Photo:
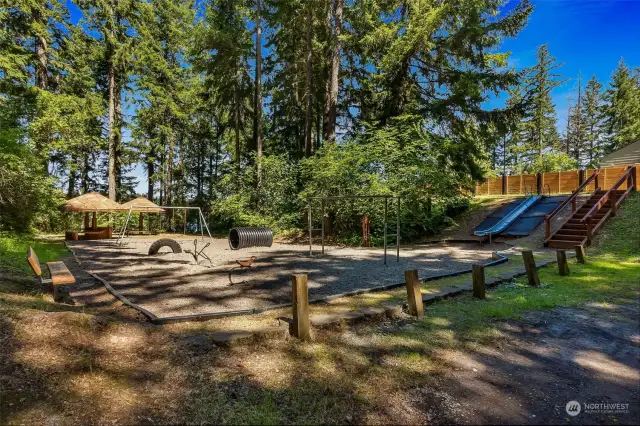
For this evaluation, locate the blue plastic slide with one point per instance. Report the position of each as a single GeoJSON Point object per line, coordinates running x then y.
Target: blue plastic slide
{"type": "Point", "coordinates": [509, 218]}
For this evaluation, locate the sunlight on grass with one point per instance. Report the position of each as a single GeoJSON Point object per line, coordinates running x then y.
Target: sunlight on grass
{"type": "Point", "coordinates": [13, 252]}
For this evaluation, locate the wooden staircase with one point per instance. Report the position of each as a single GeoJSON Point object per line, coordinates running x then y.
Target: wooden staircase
{"type": "Point", "coordinates": [574, 231]}
{"type": "Point", "coordinates": [585, 222]}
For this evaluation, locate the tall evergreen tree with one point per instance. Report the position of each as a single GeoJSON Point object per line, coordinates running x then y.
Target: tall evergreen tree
{"type": "Point", "coordinates": [592, 104]}
{"type": "Point", "coordinates": [222, 52]}
{"type": "Point", "coordinates": [538, 131]}
{"type": "Point", "coordinates": [622, 112]}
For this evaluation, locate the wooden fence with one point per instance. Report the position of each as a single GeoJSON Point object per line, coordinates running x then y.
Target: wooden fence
{"type": "Point", "coordinates": [552, 182]}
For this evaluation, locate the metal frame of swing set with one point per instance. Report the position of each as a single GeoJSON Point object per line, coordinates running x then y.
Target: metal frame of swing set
{"type": "Point", "coordinates": [201, 219]}
{"type": "Point", "coordinates": [355, 197]}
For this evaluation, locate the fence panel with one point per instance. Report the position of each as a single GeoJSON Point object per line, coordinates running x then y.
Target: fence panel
{"type": "Point", "coordinates": [569, 181]}
{"type": "Point", "coordinates": [529, 182]}
{"type": "Point", "coordinates": [514, 184]}
{"type": "Point", "coordinates": [611, 176]}
{"type": "Point", "coordinates": [551, 182]}
{"type": "Point", "coordinates": [557, 182]}
{"type": "Point", "coordinates": [592, 185]}
{"type": "Point", "coordinates": [495, 186]}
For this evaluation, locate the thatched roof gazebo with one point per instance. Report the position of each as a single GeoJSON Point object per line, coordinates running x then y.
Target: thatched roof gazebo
{"type": "Point", "coordinates": [92, 202]}
{"type": "Point", "coordinates": [142, 205]}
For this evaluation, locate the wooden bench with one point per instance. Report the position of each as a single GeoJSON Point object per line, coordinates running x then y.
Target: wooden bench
{"type": "Point", "coordinates": [59, 273]}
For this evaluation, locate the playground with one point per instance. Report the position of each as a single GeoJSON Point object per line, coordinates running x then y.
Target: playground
{"type": "Point", "coordinates": [172, 284]}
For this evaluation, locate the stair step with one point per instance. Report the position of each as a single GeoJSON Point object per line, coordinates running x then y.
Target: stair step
{"type": "Point", "coordinates": [574, 226]}
{"type": "Point", "coordinates": [564, 243]}
{"type": "Point", "coordinates": [568, 231]}
{"type": "Point", "coordinates": [568, 237]}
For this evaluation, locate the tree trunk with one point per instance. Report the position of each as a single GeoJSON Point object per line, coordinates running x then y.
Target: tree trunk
{"type": "Point", "coordinates": [150, 172]}
{"type": "Point", "coordinates": [309, 90]}
{"type": "Point", "coordinates": [236, 124]}
{"type": "Point", "coordinates": [72, 177]}
{"type": "Point", "coordinates": [257, 126]}
{"type": "Point", "coordinates": [169, 181]}
{"type": "Point", "coordinates": [333, 83]}
{"type": "Point", "coordinates": [42, 82]}
{"type": "Point", "coordinates": [85, 174]}
{"type": "Point", "coordinates": [42, 61]}
{"type": "Point", "coordinates": [118, 140]}
{"type": "Point", "coordinates": [111, 95]}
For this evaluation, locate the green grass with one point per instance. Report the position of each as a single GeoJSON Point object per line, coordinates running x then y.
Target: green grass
{"type": "Point", "coordinates": [13, 252]}
{"type": "Point", "coordinates": [611, 275]}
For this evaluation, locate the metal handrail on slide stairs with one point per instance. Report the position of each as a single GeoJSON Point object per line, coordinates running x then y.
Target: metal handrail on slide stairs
{"type": "Point", "coordinates": [509, 218]}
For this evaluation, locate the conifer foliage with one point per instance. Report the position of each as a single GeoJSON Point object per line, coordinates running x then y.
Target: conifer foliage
{"type": "Point", "coordinates": [247, 107]}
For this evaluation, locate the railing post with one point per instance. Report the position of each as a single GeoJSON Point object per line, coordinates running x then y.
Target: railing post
{"type": "Point", "coordinates": [614, 197]}
{"type": "Point", "coordinates": [547, 228]}
{"type": "Point", "coordinates": [574, 205]}
{"type": "Point", "coordinates": [589, 230]}
{"type": "Point", "coordinates": [597, 180]}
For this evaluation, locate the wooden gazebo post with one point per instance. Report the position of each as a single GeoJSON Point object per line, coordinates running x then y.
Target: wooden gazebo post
{"type": "Point", "coordinates": [94, 222]}
{"type": "Point", "coordinates": [86, 221]}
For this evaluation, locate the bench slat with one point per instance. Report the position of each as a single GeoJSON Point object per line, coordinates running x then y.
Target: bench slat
{"type": "Point", "coordinates": [60, 274]}
{"type": "Point", "coordinates": [33, 261]}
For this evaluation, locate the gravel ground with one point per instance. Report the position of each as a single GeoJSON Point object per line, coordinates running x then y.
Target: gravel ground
{"type": "Point", "coordinates": [171, 284]}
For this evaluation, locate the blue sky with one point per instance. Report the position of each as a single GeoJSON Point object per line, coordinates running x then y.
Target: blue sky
{"type": "Point", "coordinates": [588, 36]}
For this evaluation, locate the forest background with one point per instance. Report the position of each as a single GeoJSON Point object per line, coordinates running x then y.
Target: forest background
{"type": "Point", "coordinates": [246, 108]}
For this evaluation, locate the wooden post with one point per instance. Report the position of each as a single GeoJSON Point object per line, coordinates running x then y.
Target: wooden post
{"type": "Point", "coordinates": [589, 231]}
{"type": "Point", "coordinates": [574, 205]}
{"type": "Point", "coordinates": [614, 198]}
{"type": "Point", "coordinates": [530, 267]}
{"type": "Point", "coordinates": [94, 222]}
{"type": "Point", "coordinates": [300, 297]}
{"type": "Point", "coordinates": [539, 183]}
{"type": "Point", "coordinates": [563, 266]}
{"type": "Point", "coordinates": [414, 295]}
{"type": "Point", "coordinates": [86, 221]}
{"type": "Point", "coordinates": [140, 222]}
{"type": "Point", "coordinates": [477, 272]}
{"type": "Point", "coordinates": [505, 182]}
{"type": "Point", "coordinates": [559, 183]}
{"type": "Point", "coordinates": [581, 176]}
{"type": "Point", "coordinates": [580, 254]}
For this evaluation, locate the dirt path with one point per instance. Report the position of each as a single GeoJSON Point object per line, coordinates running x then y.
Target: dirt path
{"type": "Point", "coordinates": [590, 355]}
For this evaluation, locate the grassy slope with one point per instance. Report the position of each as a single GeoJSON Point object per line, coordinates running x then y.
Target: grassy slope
{"type": "Point", "coordinates": [82, 368]}
{"type": "Point", "coordinates": [13, 252]}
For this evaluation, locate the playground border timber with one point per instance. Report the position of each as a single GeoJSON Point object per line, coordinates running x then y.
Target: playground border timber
{"type": "Point", "coordinates": [154, 319]}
